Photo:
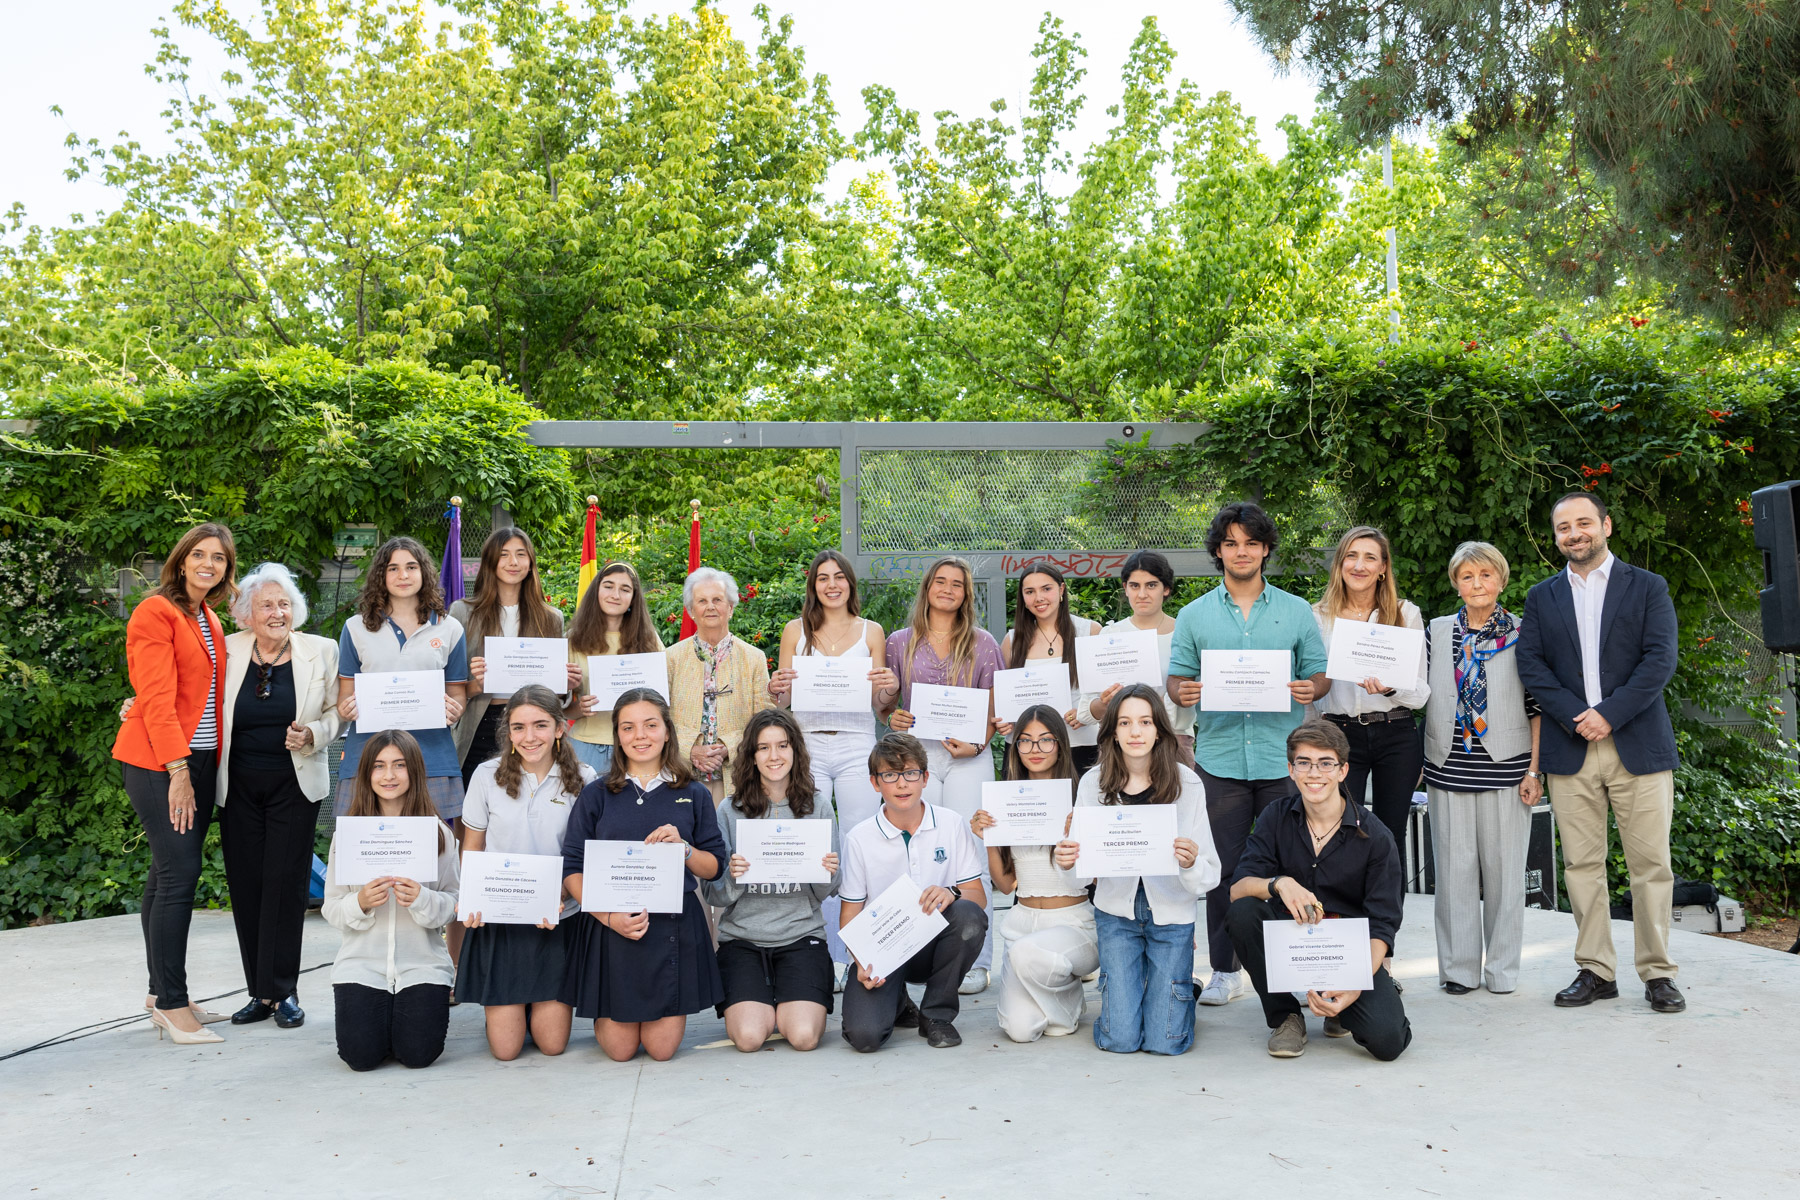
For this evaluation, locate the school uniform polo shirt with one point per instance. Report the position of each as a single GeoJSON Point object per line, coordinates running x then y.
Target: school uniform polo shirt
{"type": "Point", "coordinates": [437, 645]}
{"type": "Point", "coordinates": [1235, 745]}
{"type": "Point", "coordinates": [940, 853]}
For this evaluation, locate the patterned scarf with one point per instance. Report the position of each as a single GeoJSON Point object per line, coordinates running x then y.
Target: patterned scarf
{"type": "Point", "coordinates": [1501, 631]}
{"type": "Point", "coordinates": [713, 665]}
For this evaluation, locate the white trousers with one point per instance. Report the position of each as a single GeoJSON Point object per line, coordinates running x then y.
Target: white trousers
{"type": "Point", "coordinates": [840, 774]}
{"type": "Point", "coordinates": [956, 785]}
{"type": "Point", "coordinates": [1048, 951]}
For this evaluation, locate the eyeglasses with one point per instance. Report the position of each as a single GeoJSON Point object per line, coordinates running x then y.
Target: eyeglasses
{"type": "Point", "coordinates": [1306, 766]}
{"type": "Point", "coordinates": [1044, 744]}
{"type": "Point", "coordinates": [911, 776]}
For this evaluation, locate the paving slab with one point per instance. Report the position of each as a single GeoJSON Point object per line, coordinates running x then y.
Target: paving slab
{"type": "Point", "coordinates": [1499, 1096]}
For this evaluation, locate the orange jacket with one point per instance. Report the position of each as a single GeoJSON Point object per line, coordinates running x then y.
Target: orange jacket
{"type": "Point", "coordinates": [168, 666]}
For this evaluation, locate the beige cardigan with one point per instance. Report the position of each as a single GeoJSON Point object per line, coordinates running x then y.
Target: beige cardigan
{"type": "Point", "coordinates": [477, 706]}
{"type": "Point", "coordinates": [315, 662]}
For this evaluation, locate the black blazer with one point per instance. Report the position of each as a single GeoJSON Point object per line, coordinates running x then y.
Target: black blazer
{"type": "Point", "coordinates": [1638, 635]}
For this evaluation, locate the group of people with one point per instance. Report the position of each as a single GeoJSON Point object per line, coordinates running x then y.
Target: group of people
{"type": "Point", "coordinates": [1269, 807]}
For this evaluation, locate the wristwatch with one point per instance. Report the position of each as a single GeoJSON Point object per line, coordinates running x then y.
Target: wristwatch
{"type": "Point", "coordinates": [1272, 882]}
{"type": "Point", "coordinates": [1537, 775]}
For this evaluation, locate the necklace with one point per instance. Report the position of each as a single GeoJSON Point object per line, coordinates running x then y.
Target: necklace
{"type": "Point", "coordinates": [265, 683]}
{"type": "Point", "coordinates": [1319, 839]}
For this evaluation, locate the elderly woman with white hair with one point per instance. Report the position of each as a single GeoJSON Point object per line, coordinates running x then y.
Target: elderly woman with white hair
{"type": "Point", "coordinates": [280, 713]}
{"type": "Point", "coordinates": [715, 681]}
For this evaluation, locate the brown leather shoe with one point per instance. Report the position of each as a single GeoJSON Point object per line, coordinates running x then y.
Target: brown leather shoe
{"type": "Point", "coordinates": [1664, 996]}
{"type": "Point", "coordinates": [1587, 988]}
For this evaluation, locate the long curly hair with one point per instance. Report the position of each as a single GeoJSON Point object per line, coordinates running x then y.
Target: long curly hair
{"type": "Point", "coordinates": [511, 771]}
{"type": "Point", "coordinates": [374, 603]}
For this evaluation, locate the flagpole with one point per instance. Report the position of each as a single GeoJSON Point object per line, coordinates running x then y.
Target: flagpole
{"type": "Point", "coordinates": [688, 628]}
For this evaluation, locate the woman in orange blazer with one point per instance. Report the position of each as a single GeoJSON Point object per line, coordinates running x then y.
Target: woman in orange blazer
{"type": "Point", "coordinates": [168, 750]}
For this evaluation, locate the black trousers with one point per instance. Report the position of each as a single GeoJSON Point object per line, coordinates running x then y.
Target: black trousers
{"type": "Point", "coordinates": [374, 1024]}
{"type": "Point", "coordinates": [266, 831]}
{"type": "Point", "coordinates": [485, 743]}
{"type": "Point", "coordinates": [1394, 753]}
{"type": "Point", "coordinates": [1232, 806]}
{"type": "Point", "coordinates": [1377, 1020]}
{"type": "Point", "coordinates": [869, 1014]}
{"type": "Point", "coordinates": [174, 875]}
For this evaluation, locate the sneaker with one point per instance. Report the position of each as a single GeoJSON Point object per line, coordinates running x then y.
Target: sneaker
{"type": "Point", "coordinates": [1289, 1038]}
{"type": "Point", "coordinates": [939, 1034]}
{"type": "Point", "coordinates": [908, 1016]}
{"type": "Point", "coordinates": [1222, 988]}
{"type": "Point", "coordinates": [840, 975]}
{"type": "Point", "coordinates": [1334, 1028]}
{"type": "Point", "coordinates": [975, 981]}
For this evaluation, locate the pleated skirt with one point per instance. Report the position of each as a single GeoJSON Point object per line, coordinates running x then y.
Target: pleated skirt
{"type": "Point", "coordinates": [670, 972]}
{"type": "Point", "coordinates": [514, 964]}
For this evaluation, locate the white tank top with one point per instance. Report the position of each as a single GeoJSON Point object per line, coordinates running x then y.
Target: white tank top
{"type": "Point", "coordinates": [830, 722]}
{"type": "Point", "coordinates": [1035, 875]}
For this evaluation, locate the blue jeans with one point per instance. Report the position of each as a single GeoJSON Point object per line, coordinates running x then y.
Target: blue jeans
{"type": "Point", "coordinates": [593, 754]}
{"type": "Point", "coordinates": [1146, 983]}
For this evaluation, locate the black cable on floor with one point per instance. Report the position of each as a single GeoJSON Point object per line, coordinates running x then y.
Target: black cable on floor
{"type": "Point", "coordinates": [88, 1031]}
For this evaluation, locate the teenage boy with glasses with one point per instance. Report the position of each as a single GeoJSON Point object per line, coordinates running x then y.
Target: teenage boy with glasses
{"type": "Point", "coordinates": [1312, 855]}
{"type": "Point", "coordinates": [934, 847]}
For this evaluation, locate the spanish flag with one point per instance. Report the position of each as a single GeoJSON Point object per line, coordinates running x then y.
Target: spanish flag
{"type": "Point", "coordinates": [590, 550]}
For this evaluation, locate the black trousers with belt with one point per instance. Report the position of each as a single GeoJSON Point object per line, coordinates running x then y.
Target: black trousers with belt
{"type": "Point", "coordinates": [266, 831]}
{"type": "Point", "coordinates": [1394, 754]}
{"type": "Point", "coordinates": [174, 875]}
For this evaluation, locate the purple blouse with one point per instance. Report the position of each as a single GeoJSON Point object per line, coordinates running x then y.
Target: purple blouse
{"type": "Point", "coordinates": [927, 667]}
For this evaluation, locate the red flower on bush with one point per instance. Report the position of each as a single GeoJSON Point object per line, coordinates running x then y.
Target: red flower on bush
{"type": "Point", "coordinates": [1639, 322]}
{"type": "Point", "coordinates": [672, 618]}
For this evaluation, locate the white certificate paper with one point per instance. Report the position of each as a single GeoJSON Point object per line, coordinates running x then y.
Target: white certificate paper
{"type": "Point", "coordinates": [1389, 653]}
{"type": "Point", "coordinates": [1017, 690]}
{"type": "Point", "coordinates": [1121, 656]}
{"type": "Point", "coordinates": [949, 712]}
{"type": "Point", "coordinates": [1027, 812]}
{"type": "Point", "coordinates": [1246, 681]}
{"type": "Point", "coordinates": [832, 685]}
{"type": "Point", "coordinates": [785, 851]}
{"type": "Point", "coordinates": [399, 700]}
{"type": "Point", "coordinates": [510, 889]}
{"type": "Point", "coordinates": [890, 929]}
{"type": "Point", "coordinates": [375, 847]}
{"type": "Point", "coordinates": [514, 662]}
{"type": "Point", "coordinates": [612, 675]}
{"type": "Point", "coordinates": [631, 877]}
{"type": "Point", "coordinates": [1332, 956]}
{"type": "Point", "coordinates": [1125, 839]}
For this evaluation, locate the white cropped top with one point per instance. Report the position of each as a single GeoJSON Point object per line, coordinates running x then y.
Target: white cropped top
{"type": "Point", "coordinates": [1036, 875]}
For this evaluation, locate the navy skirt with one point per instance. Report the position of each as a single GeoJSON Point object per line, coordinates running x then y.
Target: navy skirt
{"type": "Point", "coordinates": [669, 972]}
{"type": "Point", "coordinates": [514, 964]}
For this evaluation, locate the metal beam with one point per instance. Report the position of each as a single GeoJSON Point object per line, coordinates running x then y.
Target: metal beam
{"type": "Point", "coordinates": [873, 435]}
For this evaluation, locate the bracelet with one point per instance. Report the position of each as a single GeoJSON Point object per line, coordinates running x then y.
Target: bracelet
{"type": "Point", "coordinates": [177, 766]}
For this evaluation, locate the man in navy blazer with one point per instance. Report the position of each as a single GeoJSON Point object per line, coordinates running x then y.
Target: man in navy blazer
{"type": "Point", "coordinates": [1597, 649]}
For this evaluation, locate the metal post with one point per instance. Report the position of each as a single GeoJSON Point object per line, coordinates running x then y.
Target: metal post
{"type": "Point", "coordinates": [996, 606]}
{"type": "Point", "coordinates": [1393, 245]}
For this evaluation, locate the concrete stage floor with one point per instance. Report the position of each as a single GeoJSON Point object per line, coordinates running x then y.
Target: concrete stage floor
{"type": "Point", "coordinates": [1499, 1096]}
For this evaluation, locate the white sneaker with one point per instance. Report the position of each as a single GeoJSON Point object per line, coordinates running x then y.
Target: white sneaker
{"type": "Point", "coordinates": [975, 981]}
{"type": "Point", "coordinates": [1222, 988]}
{"type": "Point", "coordinates": [840, 974]}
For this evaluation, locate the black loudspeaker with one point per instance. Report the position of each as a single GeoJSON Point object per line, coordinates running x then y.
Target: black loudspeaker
{"type": "Point", "coordinates": [1773, 511]}
{"type": "Point", "coordinates": [1540, 860]}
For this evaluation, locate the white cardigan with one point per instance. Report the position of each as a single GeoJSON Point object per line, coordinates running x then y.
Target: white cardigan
{"type": "Point", "coordinates": [1171, 897]}
{"type": "Point", "coordinates": [393, 947]}
{"type": "Point", "coordinates": [315, 662]}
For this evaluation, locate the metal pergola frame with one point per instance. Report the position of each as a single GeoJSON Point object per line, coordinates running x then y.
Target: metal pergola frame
{"type": "Point", "coordinates": [851, 438]}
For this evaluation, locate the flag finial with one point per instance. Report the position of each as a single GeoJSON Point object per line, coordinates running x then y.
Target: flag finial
{"type": "Point", "coordinates": [593, 499]}
{"type": "Point", "coordinates": [456, 500]}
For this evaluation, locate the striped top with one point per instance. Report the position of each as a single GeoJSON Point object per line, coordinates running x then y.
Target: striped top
{"type": "Point", "coordinates": [206, 735]}
{"type": "Point", "coordinates": [1474, 770]}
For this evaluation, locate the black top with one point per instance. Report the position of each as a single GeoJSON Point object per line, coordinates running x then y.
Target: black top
{"type": "Point", "coordinates": [1357, 874]}
{"type": "Point", "coordinates": [259, 726]}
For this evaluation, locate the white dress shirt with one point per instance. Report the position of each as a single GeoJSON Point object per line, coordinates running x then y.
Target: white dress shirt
{"type": "Point", "coordinates": [1351, 700]}
{"type": "Point", "coordinates": [1590, 601]}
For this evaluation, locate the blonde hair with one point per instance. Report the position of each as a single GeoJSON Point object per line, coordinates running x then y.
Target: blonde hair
{"type": "Point", "coordinates": [1337, 592]}
{"type": "Point", "coordinates": [1484, 553]}
{"type": "Point", "coordinates": [962, 636]}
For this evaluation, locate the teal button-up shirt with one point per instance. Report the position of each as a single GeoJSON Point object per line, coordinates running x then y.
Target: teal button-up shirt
{"type": "Point", "coordinates": [1235, 745]}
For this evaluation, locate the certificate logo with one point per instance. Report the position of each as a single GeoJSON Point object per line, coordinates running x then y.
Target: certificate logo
{"type": "Point", "coordinates": [1119, 816]}
{"type": "Point", "coordinates": [631, 851]}
{"type": "Point", "coordinates": [508, 863]}
{"type": "Point", "coordinates": [780, 828]}
{"type": "Point", "coordinates": [381, 827]}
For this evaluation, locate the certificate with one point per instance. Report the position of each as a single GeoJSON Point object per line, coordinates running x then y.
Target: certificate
{"type": "Point", "coordinates": [514, 662]}
{"type": "Point", "coordinates": [1332, 956]}
{"type": "Point", "coordinates": [1246, 681]}
{"type": "Point", "coordinates": [1017, 690]}
{"type": "Point", "coordinates": [399, 700]}
{"type": "Point", "coordinates": [1121, 656]}
{"type": "Point", "coordinates": [1027, 812]}
{"type": "Point", "coordinates": [949, 712]}
{"type": "Point", "coordinates": [891, 929]}
{"type": "Point", "coordinates": [612, 675]}
{"type": "Point", "coordinates": [510, 889]}
{"type": "Point", "coordinates": [832, 685]}
{"type": "Point", "coordinates": [366, 848]}
{"type": "Point", "coordinates": [1125, 839]}
{"type": "Point", "coordinates": [1360, 650]}
{"type": "Point", "coordinates": [786, 851]}
{"type": "Point", "coordinates": [631, 877]}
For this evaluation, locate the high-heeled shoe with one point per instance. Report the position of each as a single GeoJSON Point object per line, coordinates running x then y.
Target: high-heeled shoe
{"type": "Point", "coordinates": [205, 1016]}
{"type": "Point", "coordinates": [181, 1037]}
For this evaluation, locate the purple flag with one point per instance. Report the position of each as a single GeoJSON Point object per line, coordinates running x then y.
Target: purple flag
{"type": "Point", "coordinates": [450, 574]}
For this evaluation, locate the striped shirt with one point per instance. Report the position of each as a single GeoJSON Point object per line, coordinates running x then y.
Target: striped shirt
{"type": "Point", "coordinates": [206, 736]}
{"type": "Point", "coordinates": [1473, 770]}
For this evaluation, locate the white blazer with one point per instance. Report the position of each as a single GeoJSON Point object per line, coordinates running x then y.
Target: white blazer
{"type": "Point", "coordinates": [315, 662]}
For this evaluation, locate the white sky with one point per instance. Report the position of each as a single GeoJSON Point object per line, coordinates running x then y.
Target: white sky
{"type": "Point", "coordinates": [88, 56]}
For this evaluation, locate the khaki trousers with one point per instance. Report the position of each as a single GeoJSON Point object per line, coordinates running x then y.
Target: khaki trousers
{"type": "Point", "coordinates": [1643, 805]}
